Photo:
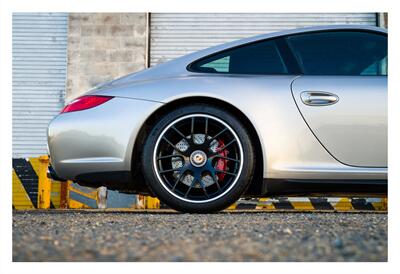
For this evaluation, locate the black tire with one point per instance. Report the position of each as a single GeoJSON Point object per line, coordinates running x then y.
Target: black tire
{"type": "Point", "coordinates": [235, 183]}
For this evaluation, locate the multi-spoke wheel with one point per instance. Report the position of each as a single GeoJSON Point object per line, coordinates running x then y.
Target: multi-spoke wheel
{"type": "Point", "coordinates": [196, 161]}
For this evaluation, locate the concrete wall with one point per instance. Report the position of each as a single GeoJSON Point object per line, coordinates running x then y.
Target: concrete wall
{"type": "Point", "coordinates": [103, 46]}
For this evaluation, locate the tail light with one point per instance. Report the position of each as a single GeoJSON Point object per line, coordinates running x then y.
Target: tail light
{"type": "Point", "coordinates": [85, 102]}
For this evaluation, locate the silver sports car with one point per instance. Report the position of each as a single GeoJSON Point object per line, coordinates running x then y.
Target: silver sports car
{"type": "Point", "coordinates": [293, 112]}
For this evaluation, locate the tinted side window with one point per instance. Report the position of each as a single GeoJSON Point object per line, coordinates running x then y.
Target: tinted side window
{"type": "Point", "coordinates": [340, 53]}
{"type": "Point", "coordinates": [258, 58]}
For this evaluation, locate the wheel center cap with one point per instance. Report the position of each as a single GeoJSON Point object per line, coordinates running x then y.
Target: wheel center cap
{"type": "Point", "coordinates": [198, 158]}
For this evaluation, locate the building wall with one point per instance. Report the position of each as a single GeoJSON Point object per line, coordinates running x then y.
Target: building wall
{"type": "Point", "coordinates": [103, 46]}
{"type": "Point", "coordinates": [39, 53]}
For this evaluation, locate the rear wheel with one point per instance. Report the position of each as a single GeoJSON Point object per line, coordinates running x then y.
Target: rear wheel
{"type": "Point", "coordinates": [198, 159]}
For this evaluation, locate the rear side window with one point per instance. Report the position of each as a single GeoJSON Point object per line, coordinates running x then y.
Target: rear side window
{"type": "Point", "coordinates": [258, 58]}
{"type": "Point", "coordinates": [340, 53]}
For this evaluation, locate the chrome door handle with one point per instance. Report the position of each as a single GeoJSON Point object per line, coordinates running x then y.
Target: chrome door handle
{"type": "Point", "coordinates": [318, 98]}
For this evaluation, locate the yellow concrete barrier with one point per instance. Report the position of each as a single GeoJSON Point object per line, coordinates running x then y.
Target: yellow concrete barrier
{"type": "Point", "coordinates": [30, 186]}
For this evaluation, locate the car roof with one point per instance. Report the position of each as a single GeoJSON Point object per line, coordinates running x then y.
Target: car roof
{"type": "Point", "coordinates": [177, 67]}
{"type": "Point", "coordinates": [256, 38]}
{"type": "Point", "coordinates": [189, 58]}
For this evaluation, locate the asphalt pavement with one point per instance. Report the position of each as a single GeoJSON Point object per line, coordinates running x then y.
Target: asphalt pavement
{"type": "Point", "coordinates": [170, 236]}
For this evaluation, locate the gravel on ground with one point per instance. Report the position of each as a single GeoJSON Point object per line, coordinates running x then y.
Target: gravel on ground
{"type": "Point", "coordinates": [227, 236]}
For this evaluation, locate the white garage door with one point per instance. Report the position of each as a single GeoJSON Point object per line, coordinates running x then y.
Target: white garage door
{"type": "Point", "coordinates": [39, 73]}
{"type": "Point", "coordinates": [175, 34]}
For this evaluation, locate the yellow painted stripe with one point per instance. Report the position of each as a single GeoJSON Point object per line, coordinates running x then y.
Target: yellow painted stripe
{"type": "Point", "coordinates": [232, 206]}
{"type": "Point", "coordinates": [20, 197]}
{"type": "Point", "coordinates": [382, 205]}
{"type": "Point", "coordinates": [35, 165]}
{"type": "Point", "coordinates": [76, 205]}
{"type": "Point", "coordinates": [264, 205]}
{"type": "Point", "coordinates": [55, 193]}
{"type": "Point", "coordinates": [343, 204]}
{"type": "Point", "coordinates": [91, 195]}
{"type": "Point", "coordinates": [303, 205]}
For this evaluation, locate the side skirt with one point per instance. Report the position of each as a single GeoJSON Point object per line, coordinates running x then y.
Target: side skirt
{"type": "Point", "coordinates": [342, 188]}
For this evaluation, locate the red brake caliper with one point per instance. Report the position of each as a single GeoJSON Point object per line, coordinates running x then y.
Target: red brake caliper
{"type": "Point", "coordinates": [222, 164]}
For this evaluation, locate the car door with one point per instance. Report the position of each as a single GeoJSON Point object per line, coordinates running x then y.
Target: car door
{"type": "Point", "coordinates": [342, 94]}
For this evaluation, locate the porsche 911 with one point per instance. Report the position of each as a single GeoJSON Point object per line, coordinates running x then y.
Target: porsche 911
{"type": "Point", "coordinates": [293, 112]}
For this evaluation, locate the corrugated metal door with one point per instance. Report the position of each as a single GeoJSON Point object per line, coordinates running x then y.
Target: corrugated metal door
{"type": "Point", "coordinates": [175, 34]}
{"type": "Point", "coordinates": [39, 75]}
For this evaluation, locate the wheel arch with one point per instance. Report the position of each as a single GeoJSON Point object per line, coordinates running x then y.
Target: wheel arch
{"type": "Point", "coordinates": [256, 185]}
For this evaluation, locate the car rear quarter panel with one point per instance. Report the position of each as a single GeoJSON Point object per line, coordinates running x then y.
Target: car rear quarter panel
{"type": "Point", "coordinates": [98, 139]}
